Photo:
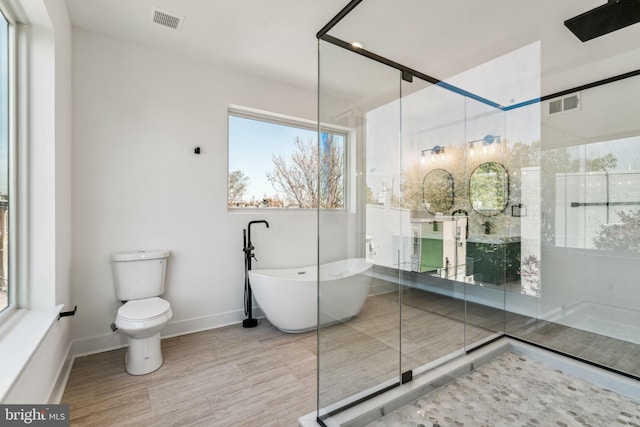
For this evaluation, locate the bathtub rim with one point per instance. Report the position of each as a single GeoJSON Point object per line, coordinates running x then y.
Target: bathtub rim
{"type": "Point", "coordinates": [367, 264]}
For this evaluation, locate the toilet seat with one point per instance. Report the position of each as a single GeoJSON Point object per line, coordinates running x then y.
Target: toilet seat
{"type": "Point", "coordinates": [144, 309]}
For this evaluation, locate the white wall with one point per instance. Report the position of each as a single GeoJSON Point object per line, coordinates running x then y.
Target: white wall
{"type": "Point", "coordinates": [138, 114]}
{"type": "Point", "coordinates": [390, 229]}
{"type": "Point", "coordinates": [571, 275]}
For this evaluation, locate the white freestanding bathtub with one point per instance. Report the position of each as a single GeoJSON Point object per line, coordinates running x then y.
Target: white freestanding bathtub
{"type": "Point", "coordinates": [289, 296]}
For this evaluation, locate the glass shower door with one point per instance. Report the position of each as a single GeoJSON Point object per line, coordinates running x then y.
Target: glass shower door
{"type": "Point", "coordinates": [359, 243]}
{"type": "Point", "coordinates": [493, 236]}
{"type": "Point", "coordinates": [433, 167]}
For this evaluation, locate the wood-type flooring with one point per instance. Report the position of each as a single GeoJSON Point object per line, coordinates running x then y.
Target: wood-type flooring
{"type": "Point", "coordinates": [233, 376]}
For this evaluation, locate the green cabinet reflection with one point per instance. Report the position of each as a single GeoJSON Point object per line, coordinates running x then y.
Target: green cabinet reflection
{"type": "Point", "coordinates": [494, 261]}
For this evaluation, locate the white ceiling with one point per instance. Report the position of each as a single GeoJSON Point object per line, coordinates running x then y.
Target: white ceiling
{"type": "Point", "coordinates": [271, 38]}
{"type": "Point", "coordinates": [446, 39]}
{"type": "Point", "coordinates": [276, 38]}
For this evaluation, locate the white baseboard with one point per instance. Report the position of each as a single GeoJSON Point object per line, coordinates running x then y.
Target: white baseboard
{"type": "Point", "coordinates": [97, 344]}
{"type": "Point", "coordinates": [203, 323]}
{"type": "Point", "coordinates": [115, 340]}
{"type": "Point", "coordinates": [57, 389]}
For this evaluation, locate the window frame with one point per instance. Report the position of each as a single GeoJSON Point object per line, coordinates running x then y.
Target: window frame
{"type": "Point", "coordinates": [13, 36]}
{"type": "Point", "coordinates": [293, 122]}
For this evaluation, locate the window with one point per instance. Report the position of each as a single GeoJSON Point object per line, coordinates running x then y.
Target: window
{"type": "Point", "coordinates": [273, 163]}
{"type": "Point", "coordinates": [5, 112]}
{"type": "Point", "coordinates": [597, 195]}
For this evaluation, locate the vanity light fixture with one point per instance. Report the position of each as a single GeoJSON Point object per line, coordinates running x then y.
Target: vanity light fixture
{"type": "Point", "coordinates": [487, 141]}
{"type": "Point", "coordinates": [435, 151]}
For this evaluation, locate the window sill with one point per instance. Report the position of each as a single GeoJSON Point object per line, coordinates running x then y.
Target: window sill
{"type": "Point", "coordinates": [20, 336]}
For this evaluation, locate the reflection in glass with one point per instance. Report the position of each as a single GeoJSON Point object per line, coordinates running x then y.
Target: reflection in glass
{"type": "Point", "coordinates": [573, 242]}
{"type": "Point", "coordinates": [596, 196]}
{"type": "Point", "coordinates": [437, 191]}
{"type": "Point", "coordinates": [489, 189]}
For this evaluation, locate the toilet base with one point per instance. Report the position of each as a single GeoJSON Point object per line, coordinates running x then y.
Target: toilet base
{"type": "Point", "coordinates": [144, 355]}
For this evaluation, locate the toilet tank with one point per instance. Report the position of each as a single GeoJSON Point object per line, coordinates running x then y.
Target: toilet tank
{"type": "Point", "coordinates": [139, 274]}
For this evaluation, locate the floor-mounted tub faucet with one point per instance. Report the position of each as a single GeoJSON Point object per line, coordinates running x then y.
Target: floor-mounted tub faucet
{"type": "Point", "coordinates": [248, 248]}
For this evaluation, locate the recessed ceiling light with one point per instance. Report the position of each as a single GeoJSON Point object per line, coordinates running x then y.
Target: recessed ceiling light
{"type": "Point", "coordinates": [358, 45]}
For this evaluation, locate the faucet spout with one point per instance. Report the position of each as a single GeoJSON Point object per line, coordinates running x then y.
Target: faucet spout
{"type": "Point", "coordinates": [258, 222]}
{"type": "Point", "coordinates": [249, 245]}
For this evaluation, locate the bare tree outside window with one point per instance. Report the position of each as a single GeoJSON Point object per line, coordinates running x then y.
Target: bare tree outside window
{"type": "Point", "coordinates": [331, 176]}
{"type": "Point", "coordinates": [238, 182]}
{"type": "Point", "coordinates": [300, 181]}
{"type": "Point", "coordinates": [300, 172]}
{"type": "Point", "coordinates": [298, 177]}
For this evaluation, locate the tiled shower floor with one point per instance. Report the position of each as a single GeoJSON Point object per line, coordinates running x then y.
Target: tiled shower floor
{"type": "Point", "coordinates": [514, 390]}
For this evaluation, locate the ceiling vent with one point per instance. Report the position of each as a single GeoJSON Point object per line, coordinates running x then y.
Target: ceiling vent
{"type": "Point", "coordinates": [166, 19]}
{"type": "Point", "coordinates": [563, 105]}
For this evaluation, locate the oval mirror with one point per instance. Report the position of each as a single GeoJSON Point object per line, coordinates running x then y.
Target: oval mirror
{"type": "Point", "coordinates": [437, 191]}
{"type": "Point", "coordinates": [489, 189]}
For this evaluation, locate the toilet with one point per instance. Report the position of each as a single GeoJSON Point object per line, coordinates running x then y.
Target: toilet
{"type": "Point", "coordinates": [139, 282]}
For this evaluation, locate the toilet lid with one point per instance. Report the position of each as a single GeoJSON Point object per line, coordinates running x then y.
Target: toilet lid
{"type": "Point", "coordinates": [144, 309]}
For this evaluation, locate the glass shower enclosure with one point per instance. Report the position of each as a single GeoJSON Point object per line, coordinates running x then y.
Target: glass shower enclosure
{"type": "Point", "coordinates": [471, 210]}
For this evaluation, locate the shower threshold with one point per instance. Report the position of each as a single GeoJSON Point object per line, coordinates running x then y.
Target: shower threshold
{"type": "Point", "coordinates": [504, 381]}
